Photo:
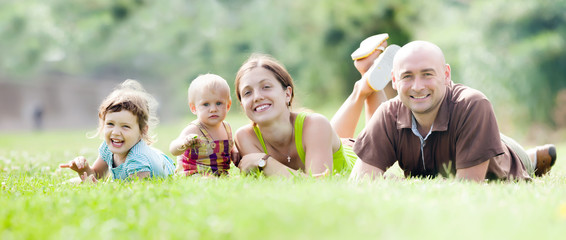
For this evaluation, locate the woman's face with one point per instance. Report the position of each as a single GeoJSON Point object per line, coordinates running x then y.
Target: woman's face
{"type": "Point", "coordinates": [262, 96]}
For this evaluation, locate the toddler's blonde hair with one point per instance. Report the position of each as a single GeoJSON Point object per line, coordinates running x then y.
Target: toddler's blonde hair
{"type": "Point", "coordinates": [207, 82]}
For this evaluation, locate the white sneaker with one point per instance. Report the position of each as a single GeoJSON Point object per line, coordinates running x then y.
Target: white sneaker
{"type": "Point", "coordinates": [379, 74]}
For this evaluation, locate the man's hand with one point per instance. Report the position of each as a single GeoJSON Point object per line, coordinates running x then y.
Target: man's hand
{"type": "Point", "coordinates": [476, 173]}
{"type": "Point", "coordinates": [363, 170]}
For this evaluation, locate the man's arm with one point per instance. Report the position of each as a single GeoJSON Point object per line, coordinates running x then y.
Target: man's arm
{"type": "Point", "coordinates": [476, 173]}
{"type": "Point", "coordinates": [362, 170]}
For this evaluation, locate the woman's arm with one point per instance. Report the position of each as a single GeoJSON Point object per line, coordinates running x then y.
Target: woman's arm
{"type": "Point", "coordinates": [320, 141]}
{"type": "Point", "coordinates": [250, 163]}
{"type": "Point", "coordinates": [251, 151]}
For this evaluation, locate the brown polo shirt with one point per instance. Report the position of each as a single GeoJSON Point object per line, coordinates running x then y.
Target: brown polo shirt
{"type": "Point", "coordinates": [464, 134]}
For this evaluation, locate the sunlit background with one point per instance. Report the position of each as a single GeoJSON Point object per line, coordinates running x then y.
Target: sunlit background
{"type": "Point", "coordinates": [60, 58]}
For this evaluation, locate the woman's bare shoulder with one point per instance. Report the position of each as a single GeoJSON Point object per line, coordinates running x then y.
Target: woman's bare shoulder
{"type": "Point", "coordinates": [245, 133]}
{"type": "Point", "coordinates": [317, 120]}
{"type": "Point", "coordinates": [246, 140]}
{"type": "Point", "coordinates": [317, 129]}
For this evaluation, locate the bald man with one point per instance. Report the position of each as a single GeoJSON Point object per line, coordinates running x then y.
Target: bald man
{"type": "Point", "coordinates": [435, 127]}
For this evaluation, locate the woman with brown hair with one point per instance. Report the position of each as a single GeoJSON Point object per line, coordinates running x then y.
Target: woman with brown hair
{"type": "Point", "coordinates": [281, 142]}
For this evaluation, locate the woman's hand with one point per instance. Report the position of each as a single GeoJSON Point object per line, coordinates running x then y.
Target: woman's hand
{"type": "Point", "coordinates": [250, 162]}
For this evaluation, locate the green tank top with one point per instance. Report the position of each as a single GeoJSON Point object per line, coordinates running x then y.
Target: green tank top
{"type": "Point", "coordinates": [342, 160]}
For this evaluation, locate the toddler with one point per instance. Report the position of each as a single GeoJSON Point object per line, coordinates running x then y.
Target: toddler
{"type": "Point", "coordinates": [205, 145]}
{"type": "Point", "coordinates": [125, 118]}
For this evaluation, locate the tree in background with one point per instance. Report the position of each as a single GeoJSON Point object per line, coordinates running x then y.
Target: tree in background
{"type": "Point", "coordinates": [511, 50]}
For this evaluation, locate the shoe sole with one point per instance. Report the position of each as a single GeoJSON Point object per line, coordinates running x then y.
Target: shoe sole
{"type": "Point", "coordinates": [379, 74]}
{"type": "Point", "coordinates": [552, 153]}
{"type": "Point", "coordinates": [542, 168]}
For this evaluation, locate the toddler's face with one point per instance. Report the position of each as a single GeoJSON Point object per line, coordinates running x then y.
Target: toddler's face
{"type": "Point", "coordinates": [121, 132]}
{"type": "Point", "coordinates": [212, 106]}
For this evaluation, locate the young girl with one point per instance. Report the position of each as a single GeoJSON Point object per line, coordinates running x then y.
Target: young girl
{"type": "Point", "coordinates": [205, 145]}
{"type": "Point", "coordinates": [125, 118]}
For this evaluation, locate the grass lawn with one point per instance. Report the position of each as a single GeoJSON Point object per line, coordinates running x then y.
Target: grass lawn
{"type": "Point", "coordinates": [35, 204]}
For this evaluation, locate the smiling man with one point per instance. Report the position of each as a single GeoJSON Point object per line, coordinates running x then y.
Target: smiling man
{"type": "Point", "coordinates": [435, 127]}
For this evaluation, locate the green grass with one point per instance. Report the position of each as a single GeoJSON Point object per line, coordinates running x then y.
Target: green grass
{"type": "Point", "coordinates": [36, 204]}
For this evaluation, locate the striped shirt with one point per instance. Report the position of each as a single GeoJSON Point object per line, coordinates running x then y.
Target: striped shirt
{"type": "Point", "coordinates": [213, 156]}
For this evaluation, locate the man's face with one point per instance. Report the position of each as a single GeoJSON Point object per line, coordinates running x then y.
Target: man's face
{"type": "Point", "coordinates": [420, 78]}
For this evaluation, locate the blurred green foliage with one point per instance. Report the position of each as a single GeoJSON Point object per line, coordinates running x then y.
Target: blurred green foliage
{"type": "Point", "coordinates": [514, 51]}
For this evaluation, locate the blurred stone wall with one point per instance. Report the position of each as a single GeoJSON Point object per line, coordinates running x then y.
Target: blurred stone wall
{"type": "Point", "coordinates": [62, 102]}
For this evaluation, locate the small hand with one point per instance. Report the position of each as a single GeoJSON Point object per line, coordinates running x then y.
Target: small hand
{"type": "Point", "coordinates": [191, 141]}
{"type": "Point", "coordinates": [79, 165]}
{"type": "Point", "coordinates": [85, 178]}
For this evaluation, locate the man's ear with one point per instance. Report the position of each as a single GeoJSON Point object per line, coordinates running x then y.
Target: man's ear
{"type": "Point", "coordinates": [447, 74]}
{"type": "Point", "coordinates": [393, 81]}
{"type": "Point", "coordinates": [193, 108]}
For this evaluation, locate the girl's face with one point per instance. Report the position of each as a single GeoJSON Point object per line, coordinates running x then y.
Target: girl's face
{"type": "Point", "coordinates": [121, 132]}
{"type": "Point", "coordinates": [263, 98]}
{"type": "Point", "coordinates": [211, 107]}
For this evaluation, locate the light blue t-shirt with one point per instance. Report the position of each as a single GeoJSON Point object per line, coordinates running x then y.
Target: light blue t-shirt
{"type": "Point", "coordinates": [141, 158]}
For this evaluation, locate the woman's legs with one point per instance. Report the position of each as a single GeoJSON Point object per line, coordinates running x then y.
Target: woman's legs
{"type": "Point", "coordinates": [346, 118]}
